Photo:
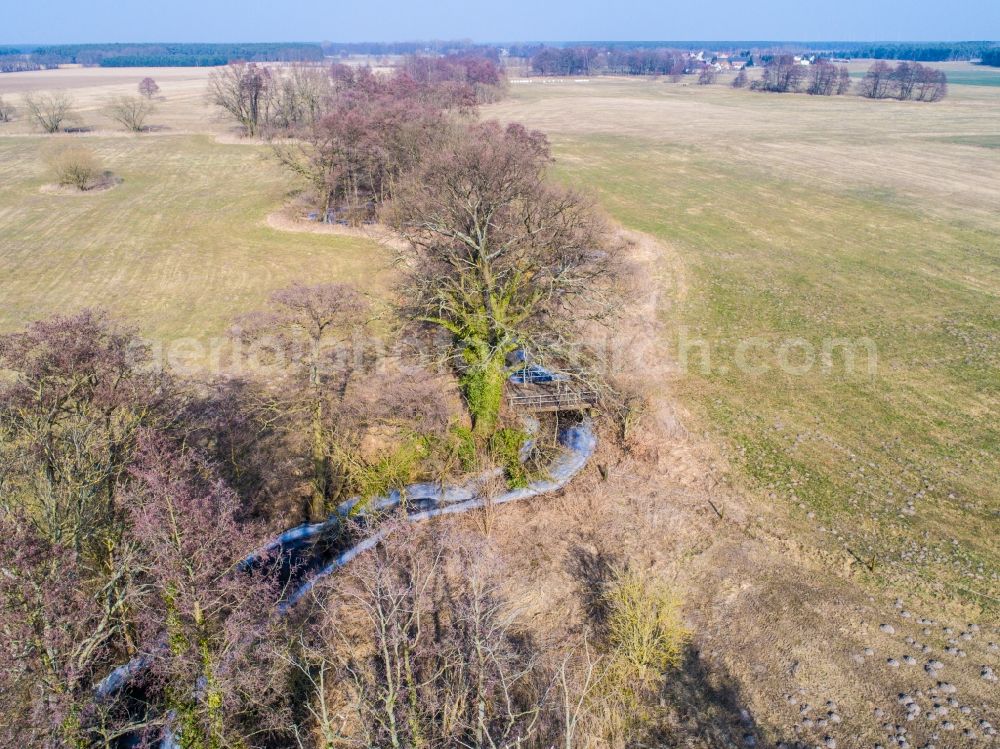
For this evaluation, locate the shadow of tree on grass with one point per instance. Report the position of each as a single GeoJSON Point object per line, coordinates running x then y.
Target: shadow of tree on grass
{"type": "Point", "coordinates": [700, 704]}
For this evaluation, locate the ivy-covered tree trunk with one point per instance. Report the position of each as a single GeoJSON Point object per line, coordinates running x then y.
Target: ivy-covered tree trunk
{"type": "Point", "coordinates": [320, 465]}
{"type": "Point", "coordinates": [482, 385]}
{"type": "Point", "coordinates": [499, 257]}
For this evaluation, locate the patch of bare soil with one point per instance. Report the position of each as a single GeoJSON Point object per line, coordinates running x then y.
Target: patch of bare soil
{"type": "Point", "coordinates": [790, 646]}
{"type": "Point", "coordinates": [288, 220]}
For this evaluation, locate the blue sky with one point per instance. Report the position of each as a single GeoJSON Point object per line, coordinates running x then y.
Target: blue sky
{"type": "Point", "coordinates": [54, 21]}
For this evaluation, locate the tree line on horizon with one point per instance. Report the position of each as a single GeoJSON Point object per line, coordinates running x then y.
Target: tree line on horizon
{"type": "Point", "coordinates": [911, 51]}
{"type": "Point", "coordinates": [992, 57]}
{"type": "Point", "coordinates": [155, 55]}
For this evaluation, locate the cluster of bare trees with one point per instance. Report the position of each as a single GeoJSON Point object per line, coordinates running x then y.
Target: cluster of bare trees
{"type": "Point", "coordinates": [499, 259]}
{"type": "Point", "coordinates": [904, 81]}
{"type": "Point", "coordinates": [372, 131]}
{"type": "Point", "coordinates": [429, 645]}
{"type": "Point", "coordinates": [128, 499]}
{"type": "Point", "coordinates": [568, 61]}
{"type": "Point", "coordinates": [349, 132]}
{"type": "Point", "coordinates": [907, 81]}
{"type": "Point", "coordinates": [125, 502]}
{"type": "Point", "coordinates": [784, 74]}
{"type": "Point", "coordinates": [53, 111]}
{"type": "Point", "coordinates": [271, 100]}
{"type": "Point", "coordinates": [615, 61]}
{"type": "Point", "coordinates": [827, 79]}
{"type": "Point", "coordinates": [480, 76]}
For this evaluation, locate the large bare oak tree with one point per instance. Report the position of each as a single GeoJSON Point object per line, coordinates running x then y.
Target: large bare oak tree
{"type": "Point", "coordinates": [499, 258]}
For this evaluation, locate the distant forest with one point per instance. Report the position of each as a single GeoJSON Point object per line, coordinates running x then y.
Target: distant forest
{"type": "Point", "coordinates": [152, 55]}
{"type": "Point", "coordinates": [344, 49]}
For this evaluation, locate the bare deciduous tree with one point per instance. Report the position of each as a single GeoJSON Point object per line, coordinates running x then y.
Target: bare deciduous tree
{"type": "Point", "coordinates": [217, 669]}
{"type": "Point", "coordinates": [243, 91]}
{"type": "Point", "coordinates": [7, 111]}
{"type": "Point", "coordinates": [904, 78]}
{"type": "Point", "coordinates": [435, 655]}
{"type": "Point", "coordinates": [499, 258]}
{"type": "Point", "coordinates": [60, 631]}
{"type": "Point", "coordinates": [822, 78]}
{"type": "Point", "coordinates": [740, 81]}
{"type": "Point", "coordinates": [929, 84]}
{"type": "Point", "coordinates": [843, 81]}
{"type": "Point", "coordinates": [148, 88]}
{"type": "Point", "coordinates": [707, 76]}
{"type": "Point", "coordinates": [877, 83]}
{"type": "Point", "coordinates": [300, 96]}
{"type": "Point", "coordinates": [69, 418]}
{"type": "Point", "coordinates": [130, 112]}
{"type": "Point", "coordinates": [311, 329]}
{"type": "Point", "coordinates": [49, 111]}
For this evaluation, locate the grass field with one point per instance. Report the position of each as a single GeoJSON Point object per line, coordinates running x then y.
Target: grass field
{"type": "Point", "coordinates": [959, 73]}
{"type": "Point", "coordinates": [793, 217]}
{"type": "Point", "coordinates": [181, 245]}
{"type": "Point", "coordinates": [801, 217]}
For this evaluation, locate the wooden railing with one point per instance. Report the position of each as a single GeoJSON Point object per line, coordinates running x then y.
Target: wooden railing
{"type": "Point", "coordinates": [553, 401]}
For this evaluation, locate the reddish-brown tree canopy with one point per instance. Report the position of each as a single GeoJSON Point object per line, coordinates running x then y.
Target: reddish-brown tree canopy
{"type": "Point", "coordinates": [148, 87]}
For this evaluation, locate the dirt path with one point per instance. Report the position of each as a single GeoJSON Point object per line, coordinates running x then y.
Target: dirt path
{"type": "Point", "coordinates": [284, 220]}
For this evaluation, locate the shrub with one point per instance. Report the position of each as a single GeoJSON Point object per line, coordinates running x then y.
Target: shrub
{"type": "Point", "coordinates": [392, 468]}
{"type": "Point", "coordinates": [465, 447]}
{"type": "Point", "coordinates": [645, 632]}
{"type": "Point", "coordinates": [7, 111]}
{"type": "Point", "coordinates": [613, 688]}
{"type": "Point", "coordinates": [75, 167]}
{"type": "Point", "coordinates": [505, 448]}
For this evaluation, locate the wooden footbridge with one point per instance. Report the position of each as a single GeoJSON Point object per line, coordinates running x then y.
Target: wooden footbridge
{"type": "Point", "coordinates": [536, 388]}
